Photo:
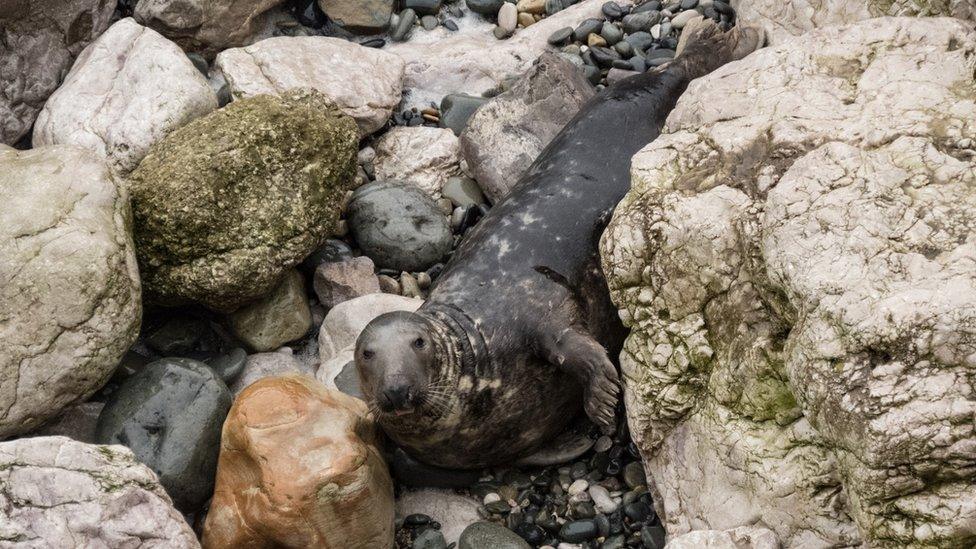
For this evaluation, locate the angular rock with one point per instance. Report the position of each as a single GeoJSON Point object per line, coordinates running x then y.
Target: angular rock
{"type": "Point", "coordinates": [226, 204]}
{"type": "Point", "coordinates": [341, 328]}
{"type": "Point", "coordinates": [170, 415]}
{"type": "Point", "coordinates": [475, 62]}
{"type": "Point", "coordinates": [338, 281]}
{"type": "Point", "coordinates": [453, 511]}
{"type": "Point", "coordinates": [398, 226]}
{"type": "Point", "coordinates": [795, 265]}
{"type": "Point", "coordinates": [744, 537]}
{"type": "Point", "coordinates": [359, 16]}
{"type": "Point", "coordinates": [310, 457]}
{"type": "Point", "coordinates": [70, 291]}
{"type": "Point", "coordinates": [206, 26]}
{"type": "Point", "coordinates": [505, 136]}
{"type": "Point", "coordinates": [41, 39]}
{"type": "Point", "coordinates": [365, 83]}
{"type": "Point", "coordinates": [277, 318]}
{"type": "Point", "coordinates": [262, 365]}
{"type": "Point", "coordinates": [421, 156]}
{"type": "Point", "coordinates": [127, 90]}
{"type": "Point", "coordinates": [784, 20]}
{"type": "Point", "coordinates": [57, 492]}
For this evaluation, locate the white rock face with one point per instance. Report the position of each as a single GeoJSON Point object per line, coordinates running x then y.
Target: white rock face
{"type": "Point", "coordinates": [57, 492]}
{"type": "Point", "coordinates": [261, 365]}
{"type": "Point", "coordinates": [421, 156]}
{"type": "Point", "coordinates": [365, 83]}
{"type": "Point", "coordinates": [784, 20]}
{"type": "Point", "coordinates": [475, 62]}
{"type": "Point", "coordinates": [796, 265]}
{"type": "Point", "coordinates": [746, 537]}
{"type": "Point", "coordinates": [454, 512]}
{"type": "Point", "coordinates": [337, 336]}
{"type": "Point", "coordinates": [126, 90]}
{"type": "Point", "coordinates": [70, 302]}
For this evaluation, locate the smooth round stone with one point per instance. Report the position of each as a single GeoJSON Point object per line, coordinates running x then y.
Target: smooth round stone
{"type": "Point", "coordinates": [578, 531]}
{"type": "Point", "coordinates": [412, 473]}
{"type": "Point", "coordinates": [430, 539]}
{"type": "Point", "coordinates": [331, 251]}
{"type": "Point", "coordinates": [508, 17]}
{"type": "Point", "coordinates": [501, 33]}
{"type": "Point", "coordinates": [612, 10]}
{"type": "Point", "coordinates": [170, 415]}
{"type": "Point", "coordinates": [622, 64]}
{"type": "Point", "coordinates": [624, 48]}
{"type": "Point", "coordinates": [230, 365]}
{"type": "Point", "coordinates": [530, 533]}
{"type": "Point", "coordinates": [638, 511]}
{"type": "Point", "coordinates": [482, 535]}
{"type": "Point", "coordinates": [592, 74]}
{"type": "Point", "coordinates": [614, 542]}
{"type": "Point", "coordinates": [423, 7]}
{"type": "Point", "coordinates": [602, 500]}
{"type": "Point", "coordinates": [653, 537]}
{"type": "Point", "coordinates": [554, 6]}
{"type": "Point", "coordinates": [199, 62]}
{"type": "Point", "coordinates": [642, 21]}
{"type": "Point", "coordinates": [457, 109]}
{"type": "Point", "coordinates": [578, 487]}
{"type": "Point", "coordinates": [584, 510]}
{"type": "Point", "coordinates": [611, 33]}
{"type": "Point", "coordinates": [653, 5]}
{"type": "Point", "coordinates": [429, 22]}
{"type": "Point", "coordinates": [634, 474]}
{"type": "Point", "coordinates": [404, 25]}
{"type": "Point", "coordinates": [604, 56]}
{"type": "Point", "coordinates": [463, 192]}
{"type": "Point", "coordinates": [722, 7]}
{"type": "Point", "coordinates": [450, 25]}
{"type": "Point", "coordinates": [485, 7]}
{"type": "Point", "coordinates": [586, 28]}
{"type": "Point", "coordinates": [398, 226]}
{"type": "Point", "coordinates": [560, 37]}
{"type": "Point", "coordinates": [680, 20]}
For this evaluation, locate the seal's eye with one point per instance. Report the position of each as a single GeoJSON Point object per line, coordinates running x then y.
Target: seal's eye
{"type": "Point", "coordinates": [367, 354]}
{"type": "Point", "coordinates": [419, 343]}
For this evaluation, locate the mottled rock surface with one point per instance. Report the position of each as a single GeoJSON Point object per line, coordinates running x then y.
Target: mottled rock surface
{"type": "Point", "coordinates": [300, 467]}
{"type": "Point", "coordinates": [453, 511]}
{"type": "Point", "coordinates": [207, 26]}
{"type": "Point", "coordinates": [796, 264]}
{"type": "Point", "coordinates": [57, 492]}
{"type": "Point", "coordinates": [364, 82]}
{"type": "Point", "coordinates": [226, 204]}
{"type": "Point", "coordinates": [338, 281]}
{"type": "Point", "coordinates": [359, 16]}
{"type": "Point", "coordinates": [261, 365]}
{"type": "Point", "coordinates": [506, 135]}
{"type": "Point", "coordinates": [421, 156]}
{"type": "Point", "coordinates": [70, 294]}
{"type": "Point", "coordinates": [784, 20]}
{"type": "Point", "coordinates": [125, 91]}
{"type": "Point", "coordinates": [275, 319]}
{"type": "Point", "coordinates": [40, 39]}
{"type": "Point", "coordinates": [745, 537]}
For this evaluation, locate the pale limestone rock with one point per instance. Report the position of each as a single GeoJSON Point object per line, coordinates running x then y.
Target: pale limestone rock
{"type": "Point", "coordinates": [338, 281]}
{"type": "Point", "coordinates": [476, 62]}
{"type": "Point", "coordinates": [421, 156]}
{"type": "Point", "coordinates": [796, 265]}
{"type": "Point", "coordinates": [70, 302]}
{"type": "Point", "coordinates": [40, 41]}
{"type": "Point", "coordinates": [127, 90]}
{"type": "Point", "coordinates": [784, 20]}
{"type": "Point", "coordinates": [365, 83]}
{"type": "Point", "coordinates": [207, 26]}
{"type": "Point", "coordinates": [277, 318]}
{"type": "Point", "coordinates": [745, 537]}
{"type": "Point", "coordinates": [505, 136]}
{"type": "Point", "coordinates": [337, 336]}
{"type": "Point", "coordinates": [57, 492]}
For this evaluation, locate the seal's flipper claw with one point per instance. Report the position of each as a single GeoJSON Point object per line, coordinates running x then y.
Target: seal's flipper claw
{"type": "Point", "coordinates": [578, 353]}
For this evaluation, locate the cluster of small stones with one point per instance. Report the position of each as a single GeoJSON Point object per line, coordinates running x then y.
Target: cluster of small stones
{"type": "Point", "coordinates": [598, 501]}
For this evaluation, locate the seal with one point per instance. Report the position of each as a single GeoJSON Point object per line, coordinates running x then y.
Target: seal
{"type": "Point", "coordinates": [519, 328]}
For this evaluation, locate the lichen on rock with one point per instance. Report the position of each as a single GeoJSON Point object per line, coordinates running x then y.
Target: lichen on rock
{"type": "Point", "coordinates": [226, 204]}
{"type": "Point", "coordinates": [795, 263]}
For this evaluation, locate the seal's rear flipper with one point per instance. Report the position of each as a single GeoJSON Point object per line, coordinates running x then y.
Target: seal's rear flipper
{"type": "Point", "coordinates": [576, 352]}
{"type": "Point", "coordinates": [704, 47]}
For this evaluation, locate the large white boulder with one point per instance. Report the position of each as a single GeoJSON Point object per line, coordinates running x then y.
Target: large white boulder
{"type": "Point", "coordinates": [421, 156]}
{"type": "Point", "coordinates": [127, 90]}
{"type": "Point", "coordinates": [70, 302]}
{"type": "Point", "coordinates": [57, 492]}
{"type": "Point", "coordinates": [796, 263]}
{"type": "Point", "coordinates": [784, 20]}
{"type": "Point", "coordinates": [364, 82]}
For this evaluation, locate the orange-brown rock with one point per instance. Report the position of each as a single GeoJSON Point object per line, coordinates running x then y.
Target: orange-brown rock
{"type": "Point", "coordinates": [299, 467]}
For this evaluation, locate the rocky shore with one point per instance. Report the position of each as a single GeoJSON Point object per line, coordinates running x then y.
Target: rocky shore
{"type": "Point", "coordinates": [204, 202]}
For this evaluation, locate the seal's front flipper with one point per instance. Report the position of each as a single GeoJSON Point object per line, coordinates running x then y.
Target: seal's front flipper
{"type": "Point", "coordinates": [576, 352]}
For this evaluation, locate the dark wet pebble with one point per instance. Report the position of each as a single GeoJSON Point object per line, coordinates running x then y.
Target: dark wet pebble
{"type": "Point", "coordinates": [578, 531]}
{"type": "Point", "coordinates": [611, 33]}
{"type": "Point", "coordinates": [622, 64]}
{"type": "Point", "coordinates": [653, 5]}
{"type": "Point", "coordinates": [416, 519]}
{"type": "Point", "coordinates": [614, 542]}
{"type": "Point", "coordinates": [456, 109]}
{"type": "Point", "coordinates": [561, 36]}
{"type": "Point", "coordinates": [405, 26]}
{"type": "Point", "coordinates": [554, 6]}
{"type": "Point", "coordinates": [373, 43]}
{"type": "Point", "coordinates": [634, 474]}
{"type": "Point", "coordinates": [229, 365]}
{"type": "Point", "coordinates": [422, 7]}
{"type": "Point", "coordinates": [624, 48]}
{"type": "Point", "coordinates": [429, 539]}
{"type": "Point", "coordinates": [642, 21]}
{"type": "Point", "coordinates": [612, 10]}
{"type": "Point", "coordinates": [586, 28]}
{"type": "Point", "coordinates": [531, 533]}
{"type": "Point", "coordinates": [330, 251]}
{"type": "Point", "coordinates": [429, 22]}
{"type": "Point", "coordinates": [592, 74]}
{"type": "Point", "coordinates": [603, 56]}
{"type": "Point", "coordinates": [638, 511]}
{"type": "Point", "coordinates": [485, 7]}
{"type": "Point", "coordinates": [450, 25]}
{"type": "Point", "coordinates": [640, 40]}
{"type": "Point", "coordinates": [653, 537]}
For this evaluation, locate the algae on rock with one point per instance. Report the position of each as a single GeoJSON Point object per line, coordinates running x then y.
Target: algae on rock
{"type": "Point", "coordinates": [226, 204]}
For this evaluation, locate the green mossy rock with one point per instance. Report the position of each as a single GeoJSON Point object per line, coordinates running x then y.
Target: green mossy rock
{"type": "Point", "coordinates": [226, 204]}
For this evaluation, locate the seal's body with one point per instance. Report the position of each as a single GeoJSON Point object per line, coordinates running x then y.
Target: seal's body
{"type": "Point", "coordinates": [519, 325]}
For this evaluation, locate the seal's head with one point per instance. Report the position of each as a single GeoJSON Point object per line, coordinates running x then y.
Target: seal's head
{"type": "Point", "coordinates": [398, 357]}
